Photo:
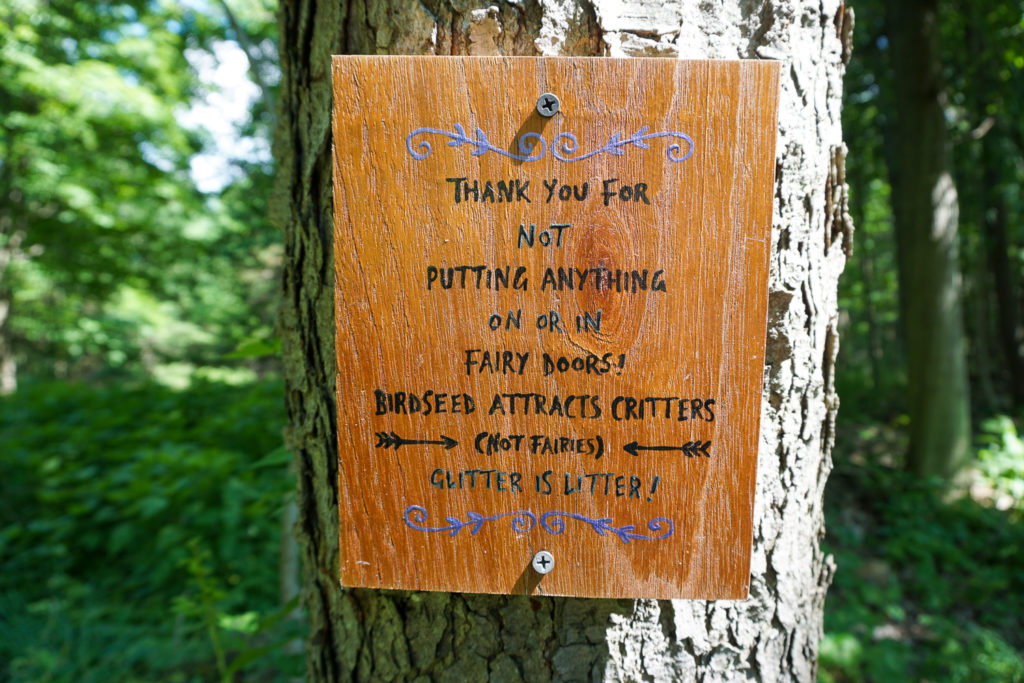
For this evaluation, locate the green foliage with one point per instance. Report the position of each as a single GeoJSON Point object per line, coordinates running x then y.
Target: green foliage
{"type": "Point", "coordinates": [925, 588]}
{"type": "Point", "coordinates": [140, 530]}
{"type": "Point", "coordinates": [1001, 461]}
{"type": "Point", "coordinates": [871, 378]}
{"type": "Point", "coordinates": [139, 526]}
{"type": "Point", "coordinates": [81, 95]}
{"type": "Point", "coordinates": [112, 260]}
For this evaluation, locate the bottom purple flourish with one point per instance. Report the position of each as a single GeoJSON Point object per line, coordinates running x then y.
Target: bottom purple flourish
{"type": "Point", "coordinates": [553, 522]}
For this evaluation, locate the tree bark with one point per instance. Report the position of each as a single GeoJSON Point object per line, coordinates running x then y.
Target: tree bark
{"type": "Point", "coordinates": [389, 635]}
{"type": "Point", "coordinates": [925, 213]}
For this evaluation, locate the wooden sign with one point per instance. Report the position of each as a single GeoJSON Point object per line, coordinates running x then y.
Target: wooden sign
{"type": "Point", "coordinates": [551, 322]}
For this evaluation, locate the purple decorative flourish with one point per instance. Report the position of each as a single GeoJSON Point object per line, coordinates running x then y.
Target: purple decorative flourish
{"type": "Point", "coordinates": [532, 146]}
{"type": "Point", "coordinates": [551, 523]}
{"type": "Point", "coordinates": [482, 144]}
{"type": "Point", "coordinates": [565, 144]}
{"type": "Point", "coordinates": [523, 521]}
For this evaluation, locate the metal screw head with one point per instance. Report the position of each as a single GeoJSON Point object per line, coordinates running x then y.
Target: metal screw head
{"type": "Point", "coordinates": [548, 105]}
{"type": "Point", "coordinates": [543, 562]}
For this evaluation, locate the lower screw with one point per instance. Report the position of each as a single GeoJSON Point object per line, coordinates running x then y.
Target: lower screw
{"type": "Point", "coordinates": [543, 562]}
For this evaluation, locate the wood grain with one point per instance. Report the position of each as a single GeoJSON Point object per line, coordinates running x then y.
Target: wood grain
{"type": "Point", "coordinates": [706, 226]}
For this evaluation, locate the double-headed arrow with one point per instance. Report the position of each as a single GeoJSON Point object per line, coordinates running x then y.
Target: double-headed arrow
{"type": "Point", "coordinates": [689, 449]}
{"type": "Point", "coordinates": [392, 440]}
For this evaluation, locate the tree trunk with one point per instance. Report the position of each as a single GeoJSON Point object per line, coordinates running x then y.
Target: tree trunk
{"type": "Point", "coordinates": [12, 233]}
{"type": "Point", "coordinates": [8, 366]}
{"type": "Point", "coordinates": [997, 249]}
{"type": "Point", "coordinates": [925, 212]}
{"type": "Point", "coordinates": [10, 241]}
{"type": "Point", "coordinates": [389, 635]}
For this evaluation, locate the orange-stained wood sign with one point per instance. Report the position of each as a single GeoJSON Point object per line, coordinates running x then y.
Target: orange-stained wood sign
{"type": "Point", "coordinates": [551, 291]}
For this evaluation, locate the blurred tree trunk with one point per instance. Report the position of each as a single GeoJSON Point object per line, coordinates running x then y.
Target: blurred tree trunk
{"type": "Point", "coordinates": [11, 236]}
{"type": "Point", "coordinates": [8, 366]}
{"type": "Point", "coordinates": [925, 210]}
{"type": "Point", "coordinates": [997, 248]}
{"type": "Point", "coordinates": [10, 243]}
{"type": "Point", "coordinates": [988, 170]}
{"type": "Point", "coordinates": [390, 635]}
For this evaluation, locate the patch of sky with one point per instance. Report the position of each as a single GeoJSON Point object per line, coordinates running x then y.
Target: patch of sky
{"type": "Point", "coordinates": [220, 112]}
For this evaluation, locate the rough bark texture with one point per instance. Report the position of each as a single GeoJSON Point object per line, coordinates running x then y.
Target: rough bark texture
{"type": "Point", "coordinates": [375, 635]}
{"type": "Point", "coordinates": [925, 212]}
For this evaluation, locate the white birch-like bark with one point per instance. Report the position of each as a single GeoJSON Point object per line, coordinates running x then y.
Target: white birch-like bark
{"type": "Point", "coordinates": [388, 635]}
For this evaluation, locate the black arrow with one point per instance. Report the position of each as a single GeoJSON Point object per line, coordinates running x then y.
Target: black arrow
{"type": "Point", "coordinates": [689, 449]}
{"type": "Point", "coordinates": [390, 439]}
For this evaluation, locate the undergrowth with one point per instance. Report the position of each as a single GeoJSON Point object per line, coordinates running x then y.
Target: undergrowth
{"type": "Point", "coordinates": [926, 588]}
{"type": "Point", "coordinates": [140, 532]}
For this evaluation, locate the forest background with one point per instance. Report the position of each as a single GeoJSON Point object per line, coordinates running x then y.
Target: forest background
{"type": "Point", "coordinates": [146, 493]}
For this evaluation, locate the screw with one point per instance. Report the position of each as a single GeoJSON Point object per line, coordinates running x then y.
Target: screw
{"type": "Point", "coordinates": [543, 562]}
{"type": "Point", "coordinates": [548, 105]}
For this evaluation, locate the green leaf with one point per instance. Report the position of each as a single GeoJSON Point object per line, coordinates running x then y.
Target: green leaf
{"type": "Point", "coordinates": [275, 458]}
{"type": "Point", "coordinates": [255, 348]}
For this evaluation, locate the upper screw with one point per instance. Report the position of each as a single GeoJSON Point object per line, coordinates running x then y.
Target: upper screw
{"type": "Point", "coordinates": [543, 562]}
{"type": "Point", "coordinates": [548, 105]}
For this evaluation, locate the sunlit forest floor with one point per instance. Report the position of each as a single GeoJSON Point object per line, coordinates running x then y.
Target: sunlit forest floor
{"type": "Point", "coordinates": [925, 589]}
{"type": "Point", "coordinates": [142, 535]}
